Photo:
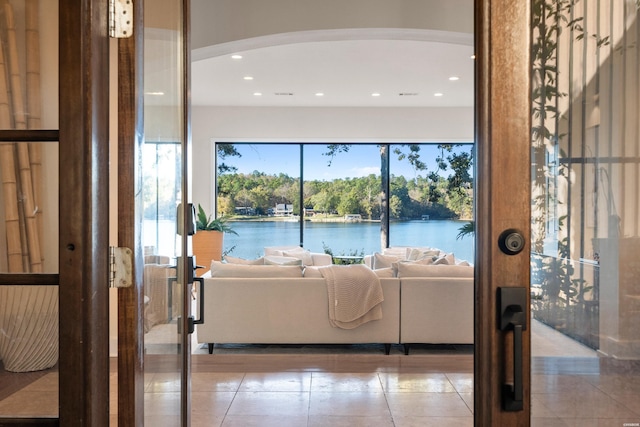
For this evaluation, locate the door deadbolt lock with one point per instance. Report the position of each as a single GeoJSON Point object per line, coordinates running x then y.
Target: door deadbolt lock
{"type": "Point", "coordinates": [511, 242]}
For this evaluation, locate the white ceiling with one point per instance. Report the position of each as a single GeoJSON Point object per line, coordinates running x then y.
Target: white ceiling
{"type": "Point", "coordinates": [346, 71]}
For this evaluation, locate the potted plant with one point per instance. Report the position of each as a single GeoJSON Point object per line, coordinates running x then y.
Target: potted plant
{"type": "Point", "coordinates": [209, 238]}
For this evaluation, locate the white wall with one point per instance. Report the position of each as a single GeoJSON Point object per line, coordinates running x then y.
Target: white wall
{"type": "Point", "coordinates": [233, 124]}
{"type": "Point", "coordinates": [221, 21]}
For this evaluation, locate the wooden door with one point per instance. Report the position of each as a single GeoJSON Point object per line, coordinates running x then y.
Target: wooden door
{"type": "Point", "coordinates": [503, 200]}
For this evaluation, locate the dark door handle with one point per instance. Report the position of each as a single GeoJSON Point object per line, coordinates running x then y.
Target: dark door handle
{"type": "Point", "coordinates": [200, 294]}
{"type": "Point", "coordinates": [512, 317]}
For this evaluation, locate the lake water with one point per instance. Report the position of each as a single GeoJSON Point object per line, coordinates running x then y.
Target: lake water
{"type": "Point", "coordinates": [346, 238]}
{"type": "Point", "coordinates": [342, 238]}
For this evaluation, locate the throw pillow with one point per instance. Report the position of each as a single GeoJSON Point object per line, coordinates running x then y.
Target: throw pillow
{"type": "Point", "coordinates": [418, 253]}
{"type": "Point", "coordinates": [424, 261]}
{"type": "Point", "coordinates": [448, 259]}
{"type": "Point", "coordinates": [277, 250]}
{"type": "Point", "coordinates": [236, 260]}
{"type": "Point", "coordinates": [384, 261]}
{"type": "Point", "coordinates": [282, 260]}
{"type": "Point", "coordinates": [402, 252]}
{"type": "Point", "coordinates": [220, 269]}
{"type": "Point", "coordinates": [441, 261]}
{"type": "Point", "coordinates": [302, 255]}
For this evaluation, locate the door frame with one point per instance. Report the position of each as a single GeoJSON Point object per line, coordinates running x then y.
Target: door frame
{"type": "Point", "coordinates": [130, 88]}
{"type": "Point", "coordinates": [84, 212]}
{"type": "Point", "coordinates": [502, 39]}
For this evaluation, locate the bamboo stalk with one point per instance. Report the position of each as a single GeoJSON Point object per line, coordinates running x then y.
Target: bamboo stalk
{"type": "Point", "coordinates": [21, 218]}
{"type": "Point", "coordinates": [12, 220]}
{"type": "Point", "coordinates": [19, 117]}
{"type": "Point", "coordinates": [8, 176]}
{"type": "Point", "coordinates": [32, 35]}
{"type": "Point", "coordinates": [30, 209]}
{"type": "Point", "coordinates": [26, 185]}
{"type": "Point", "coordinates": [34, 103]}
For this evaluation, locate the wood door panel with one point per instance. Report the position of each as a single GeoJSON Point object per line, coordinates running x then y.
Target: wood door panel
{"type": "Point", "coordinates": [503, 193]}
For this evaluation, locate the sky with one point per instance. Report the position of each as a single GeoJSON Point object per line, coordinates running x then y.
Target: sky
{"type": "Point", "coordinates": [361, 160]}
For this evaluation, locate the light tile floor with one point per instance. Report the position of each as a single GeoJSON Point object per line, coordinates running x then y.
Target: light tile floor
{"type": "Point", "coordinates": [314, 397]}
{"type": "Point", "coordinates": [318, 399]}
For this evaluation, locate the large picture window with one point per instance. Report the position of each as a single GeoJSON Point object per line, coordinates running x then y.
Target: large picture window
{"type": "Point", "coordinates": [331, 197]}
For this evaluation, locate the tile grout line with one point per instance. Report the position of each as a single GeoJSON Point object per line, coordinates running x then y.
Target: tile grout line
{"type": "Point", "coordinates": [386, 399]}
{"type": "Point", "coordinates": [235, 394]}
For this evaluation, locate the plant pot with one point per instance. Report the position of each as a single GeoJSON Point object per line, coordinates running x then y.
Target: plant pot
{"type": "Point", "coordinates": [207, 246]}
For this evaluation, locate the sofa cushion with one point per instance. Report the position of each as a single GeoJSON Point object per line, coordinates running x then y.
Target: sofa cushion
{"type": "Point", "coordinates": [384, 261]}
{"type": "Point", "coordinates": [220, 269]}
{"type": "Point", "coordinates": [311, 271]}
{"type": "Point", "coordinates": [401, 252]}
{"type": "Point", "coordinates": [236, 260]}
{"type": "Point", "coordinates": [278, 250]}
{"type": "Point", "coordinates": [447, 259]}
{"type": "Point", "coordinates": [281, 260]}
{"type": "Point", "coordinates": [301, 254]}
{"type": "Point", "coordinates": [423, 261]}
{"type": "Point", "coordinates": [416, 254]}
{"type": "Point", "coordinates": [385, 272]}
{"type": "Point", "coordinates": [320, 259]}
{"type": "Point", "coordinates": [417, 270]}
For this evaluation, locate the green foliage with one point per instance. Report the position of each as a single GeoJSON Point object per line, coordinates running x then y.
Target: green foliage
{"type": "Point", "coordinates": [563, 290]}
{"type": "Point", "coordinates": [228, 251]}
{"type": "Point", "coordinates": [205, 222]}
{"type": "Point", "coordinates": [409, 198]}
{"type": "Point", "coordinates": [224, 151]}
{"type": "Point", "coordinates": [413, 156]}
{"type": "Point", "coordinates": [334, 149]}
{"type": "Point", "coordinates": [352, 252]}
{"type": "Point", "coordinates": [427, 194]}
{"type": "Point", "coordinates": [468, 229]}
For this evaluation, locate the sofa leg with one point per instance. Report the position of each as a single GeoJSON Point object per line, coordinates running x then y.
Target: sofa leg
{"type": "Point", "coordinates": [210, 348]}
{"type": "Point", "coordinates": [406, 349]}
{"type": "Point", "coordinates": [387, 349]}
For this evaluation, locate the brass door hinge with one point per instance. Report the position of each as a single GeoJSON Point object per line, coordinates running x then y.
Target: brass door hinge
{"type": "Point", "coordinates": [120, 18]}
{"type": "Point", "coordinates": [120, 271]}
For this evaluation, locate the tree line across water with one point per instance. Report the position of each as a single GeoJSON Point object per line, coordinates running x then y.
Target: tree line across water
{"type": "Point", "coordinates": [432, 194]}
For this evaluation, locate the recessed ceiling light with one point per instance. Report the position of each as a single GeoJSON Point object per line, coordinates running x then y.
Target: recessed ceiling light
{"type": "Point", "coordinates": [438, 94]}
{"type": "Point", "coordinates": [236, 56]}
{"type": "Point", "coordinates": [257, 93]}
{"type": "Point", "coordinates": [454, 78]}
{"type": "Point", "coordinates": [154, 93]}
{"type": "Point", "coordinates": [319, 94]}
{"type": "Point", "coordinates": [248, 78]}
{"type": "Point", "coordinates": [473, 57]}
{"type": "Point", "coordinates": [375, 94]}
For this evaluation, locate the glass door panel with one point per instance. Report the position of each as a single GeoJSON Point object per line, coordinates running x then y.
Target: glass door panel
{"type": "Point", "coordinates": [163, 185]}
{"type": "Point", "coordinates": [29, 189]}
{"type": "Point", "coordinates": [586, 208]}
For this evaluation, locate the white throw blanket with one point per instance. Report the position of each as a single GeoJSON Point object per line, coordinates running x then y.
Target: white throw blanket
{"type": "Point", "coordinates": [355, 295]}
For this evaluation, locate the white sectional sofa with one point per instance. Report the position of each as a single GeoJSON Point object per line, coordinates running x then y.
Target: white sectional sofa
{"type": "Point", "coordinates": [436, 304]}
{"type": "Point", "coordinates": [422, 304]}
{"type": "Point", "coordinates": [287, 311]}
